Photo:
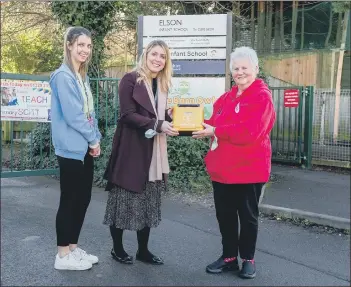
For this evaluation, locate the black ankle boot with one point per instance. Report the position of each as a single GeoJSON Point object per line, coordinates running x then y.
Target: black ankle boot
{"type": "Point", "coordinates": [248, 269]}
{"type": "Point", "coordinates": [220, 265]}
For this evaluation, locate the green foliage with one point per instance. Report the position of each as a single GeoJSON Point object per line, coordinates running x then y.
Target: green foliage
{"type": "Point", "coordinates": [262, 73]}
{"type": "Point", "coordinates": [102, 160]}
{"type": "Point", "coordinates": [106, 104]}
{"type": "Point", "coordinates": [186, 160]}
{"type": "Point", "coordinates": [341, 6]}
{"type": "Point", "coordinates": [30, 53]}
{"type": "Point", "coordinates": [96, 16]}
{"type": "Point", "coordinates": [40, 151]}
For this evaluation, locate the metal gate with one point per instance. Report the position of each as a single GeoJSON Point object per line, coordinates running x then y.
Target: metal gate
{"type": "Point", "coordinates": [291, 136]}
{"type": "Point", "coordinates": [26, 147]}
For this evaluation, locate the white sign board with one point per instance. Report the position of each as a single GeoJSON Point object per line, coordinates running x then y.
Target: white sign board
{"type": "Point", "coordinates": [190, 42]}
{"type": "Point", "coordinates": [185, 25]}
{"type": "Point", "coordinates": [196, 54]}
{"type": "Point", "coordinates": [196, 90]}
{"type": "Point", "coordinates": [23, 100]}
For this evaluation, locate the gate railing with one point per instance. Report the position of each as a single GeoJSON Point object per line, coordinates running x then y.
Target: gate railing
{"type": "Point", "coordinates": [291, 136]}
{"type": "Point", "coordinates": [26, 147]}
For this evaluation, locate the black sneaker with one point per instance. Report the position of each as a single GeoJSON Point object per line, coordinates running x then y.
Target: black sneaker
{"type": "Point", "coordinates": [221, 265]}
{"type": "Point", "coordinates": [248, 269]}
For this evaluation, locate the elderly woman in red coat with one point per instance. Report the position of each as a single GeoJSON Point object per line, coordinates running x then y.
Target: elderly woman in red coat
{"type": "Point", "coordinates": [239, 160]}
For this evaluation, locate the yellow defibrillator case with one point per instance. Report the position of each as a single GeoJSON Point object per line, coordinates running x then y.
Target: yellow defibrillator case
{"type": "Point", "coordinates": [188, 118]}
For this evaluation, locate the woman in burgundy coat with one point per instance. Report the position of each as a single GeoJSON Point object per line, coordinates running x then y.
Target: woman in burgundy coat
{"type": "Point", "coordinates": [239, 160]}
{"type": "Point", "coordinates": [139, 161]}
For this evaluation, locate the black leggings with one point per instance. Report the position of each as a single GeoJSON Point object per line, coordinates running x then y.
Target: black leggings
{"type": "Point", "coordinates": [231, 201]}
{"type": "Point", "coordinates": [76, 179]}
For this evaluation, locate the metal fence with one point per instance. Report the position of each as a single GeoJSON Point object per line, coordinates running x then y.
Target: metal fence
{"type": "Point", "coordinates": [328, 149]}
{"type": "Point", "coordinates": [26, 147]}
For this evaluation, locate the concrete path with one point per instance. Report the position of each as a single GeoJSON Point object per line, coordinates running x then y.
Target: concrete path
{"type": "Point", "coordinates": [188, 239]}
{"type": "Point", "coordinates": [321, 194]}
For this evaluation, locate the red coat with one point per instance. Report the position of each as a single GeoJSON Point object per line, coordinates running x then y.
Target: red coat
{"type": "Point", "coordinates": [243, 126]}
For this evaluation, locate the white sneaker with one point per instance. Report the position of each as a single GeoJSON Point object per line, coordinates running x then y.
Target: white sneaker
{"type": "Point", "coordinates": [71, 262]}
{"type": "Point", "coordinates": [80, 253]}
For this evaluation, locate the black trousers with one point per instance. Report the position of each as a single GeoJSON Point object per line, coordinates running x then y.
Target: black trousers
{"type": "Point", "coordinates": [233, 201]}
{"type": "Point", "coordinates": [76, 179]}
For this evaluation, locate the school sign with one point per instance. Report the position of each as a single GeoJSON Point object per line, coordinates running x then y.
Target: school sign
{"type": "Point", "coordinates": [200, 46]}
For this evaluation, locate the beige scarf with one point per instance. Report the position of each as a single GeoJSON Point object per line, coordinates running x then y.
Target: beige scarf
{"type": "Point", "coordinates": [159, 161]}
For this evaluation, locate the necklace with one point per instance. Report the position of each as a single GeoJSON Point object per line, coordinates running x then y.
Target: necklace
{"type": "Point", "coordinates": [82, 84]}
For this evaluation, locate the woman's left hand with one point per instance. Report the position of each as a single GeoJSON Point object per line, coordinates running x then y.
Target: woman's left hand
{"type": "Point", "coordinates": [207, 132]}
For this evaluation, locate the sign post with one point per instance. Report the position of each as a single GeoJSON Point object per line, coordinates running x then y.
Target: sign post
{"type": "Point", "coordinates": [200, 46]}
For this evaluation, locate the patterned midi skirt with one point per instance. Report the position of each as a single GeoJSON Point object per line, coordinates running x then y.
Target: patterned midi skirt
{"type": "Point", "coordinates": [133, 211]}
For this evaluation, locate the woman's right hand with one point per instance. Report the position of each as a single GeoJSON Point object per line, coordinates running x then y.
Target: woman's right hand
{"type": "Point", "coordinates": [95, 152]}
{"type": "Point", "coordinates": [168, 129]}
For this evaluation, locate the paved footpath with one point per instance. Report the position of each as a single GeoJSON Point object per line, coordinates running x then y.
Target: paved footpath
{"type": "Point", "coordinates": [320, 196]}
{"type": "Point", "coordinates": [188, 239]}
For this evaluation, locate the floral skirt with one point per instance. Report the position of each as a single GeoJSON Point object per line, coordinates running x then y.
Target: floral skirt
{"type": "Point", "coordinates": [133, 211]}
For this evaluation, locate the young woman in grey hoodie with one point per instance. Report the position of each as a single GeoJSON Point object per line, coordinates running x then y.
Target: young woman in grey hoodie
{"type": "Point", "coordinates": [76, 138]}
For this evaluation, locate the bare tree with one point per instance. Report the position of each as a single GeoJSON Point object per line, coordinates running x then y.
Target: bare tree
{"type": "Point", "coordinates": [236, 21]}
{"type": "Point", "coordinates": [302, 26]}
{"type": "Point", "coordinates": [339, 30]}
{"type": "Point", "coordinates": [19, 16]}
{"type": "Point", "coordinates": [252, 23]}
{"type": "Point", "coordinates": [330, 27]}
{"type": "Point", "coordinates": [295, 4]}
{"type": "Point", "coordinates": [269, 18]}
{"type": "Point", "coordinates": [277, 36]}
{"type": "Point", "coordinates": [281, 18]}
{"type": "Point", "coordinates": [261, 26]}
{"type": "Point", "coordinates": [339, 74]}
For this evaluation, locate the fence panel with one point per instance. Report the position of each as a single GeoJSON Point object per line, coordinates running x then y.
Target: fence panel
{"type": "Point", "coordinates": [326, 150]}
{"type": "Point", "coordinates": [26, 147]}
{"type": "Point", "coordinates": [286, 135]}
{"type": "Point", "coordinates": [291, 136]}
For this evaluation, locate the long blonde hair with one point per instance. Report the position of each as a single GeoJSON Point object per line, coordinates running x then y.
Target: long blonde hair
{"type": "Point", "coordinates": [71, 36]}
{"type": "Point", "coordinates": [164, 75]}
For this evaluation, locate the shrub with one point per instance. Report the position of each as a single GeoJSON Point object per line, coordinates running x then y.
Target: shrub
{"type": "Point", "coordinates": [186, 162]}
{"type": "Point", "coordinates": [102, 160]}
{"type": "Point", "coordinates": [40, 151]}
{"type": "Point", "coordinates": [185, 159]}
{"type": "Point", "coordinates": [36, 152]}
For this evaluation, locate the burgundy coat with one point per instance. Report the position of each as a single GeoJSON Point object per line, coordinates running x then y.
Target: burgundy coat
{"type": "Point", "coordinates": [130, 159]}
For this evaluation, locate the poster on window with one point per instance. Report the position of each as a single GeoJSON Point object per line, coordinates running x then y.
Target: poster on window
{"type": "Point", "coordinates": [24, 100]}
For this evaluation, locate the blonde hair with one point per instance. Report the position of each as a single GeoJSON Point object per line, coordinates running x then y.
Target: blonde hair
{"type": "Point", "coordinates": [71, 36]}
{"type": "Point", "coordinates": [164, 75]}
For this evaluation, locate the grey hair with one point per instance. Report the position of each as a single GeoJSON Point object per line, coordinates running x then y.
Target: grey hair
{"type": "Point", "coordinates": [243, 52]}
